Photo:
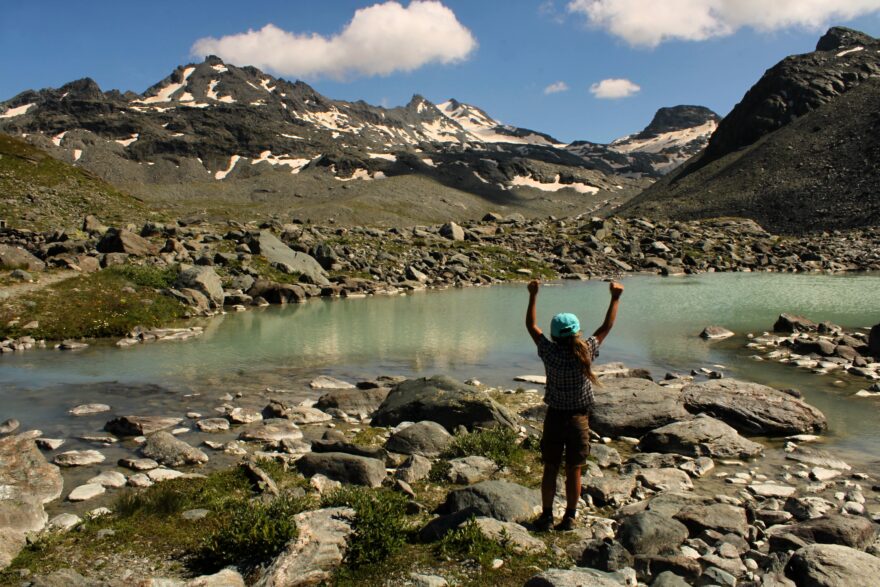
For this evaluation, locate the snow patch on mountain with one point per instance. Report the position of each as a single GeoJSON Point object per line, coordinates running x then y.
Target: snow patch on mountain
{"type": "Point", "coordinates": [17, 111]}
{"type": "Point", "coordinates": [664, 141]}
{"type": "Point", "coordinates": [224, 172]}
{"type": "Point", "coordinates": [529, 181]}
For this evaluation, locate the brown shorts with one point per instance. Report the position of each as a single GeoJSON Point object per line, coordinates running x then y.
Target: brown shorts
{"type": "Point", "coordinates": [567, 432]}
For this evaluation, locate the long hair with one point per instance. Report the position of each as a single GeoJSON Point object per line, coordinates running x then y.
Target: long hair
{"type": "Point", "coordinates": [580, 349]}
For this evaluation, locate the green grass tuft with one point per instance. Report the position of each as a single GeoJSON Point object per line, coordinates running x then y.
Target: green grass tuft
{"type": "Point", "coordinates": [499, 444]}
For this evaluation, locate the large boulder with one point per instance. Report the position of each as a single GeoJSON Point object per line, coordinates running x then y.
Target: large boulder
{"type": "Point", "coordinates": [318, 549]}
{"type": "Point", "coordinates": [18, 258]}
{"type": "Point", "coordinates": [170, 451]}
{"type": "Point", "coordinates": [343, 467]}
{"type": "Point", "coordinates": [831, 565]}
{"type": "Point", "coordinates": [789, 323]}
{"type": "Point", "coordinates": [651, 533]}
{"type": "Point", "coordinates": [752, 408]}
{"type": "Point", "coordinates": [353, 401]}
{"type": "Point", "coordinates": [203, 279]}
{"type": "Point", "coordinates": [117, 240]}
{"type": "Point", "coordinates": [631, 406]}
{"type": "Point", "coordinates": [27, 482]}
{"type": "Point", "coordinates": [720, 517]}
{"type": "Point", "coordinates": [268, 245]}
{"type": "Point", "coordinates": [427, 439]}
{"type": "Point", "coordinates": [443, 400]}
{"type": "Point", "coordinates": [700, 436]}
{"type": "Point", "coordinates": [502, 500]}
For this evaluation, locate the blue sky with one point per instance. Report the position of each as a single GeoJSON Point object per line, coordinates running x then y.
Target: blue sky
{"type": "Point", "coordinates": [521, 47]}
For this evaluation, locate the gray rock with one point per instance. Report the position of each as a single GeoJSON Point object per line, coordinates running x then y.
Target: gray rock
{"type": "Point", "coordinates": [632, 406]}
{"type": "Point", "coordinates": [853, 531]}
{"type": "Point", "coordinates": [86, 492]}
{"type": "Point", "coordinates": [204, 280]}
{"type": "Point", "coordinates": [243, 415]}
{"type": "Point", "coordinates": [113, 479]}
{"type": "Point", "coordinates": [578, 578]}
{"type": "Point", "coordinates": [139, 425]}
{"type": "Point", "coordinates": [117, 240]}
{"type": "Point", "coordinates": [669, 579]}
{"type": "Point", "coordinates": [515, 536]}
{"type": "Point", "coordinates": [442, 400]}
{"type": "Point", "coordinates": [353, 401]}
{"type": "Point", "coordinates": [665, 479]}
{"type": "Point", "coordinates": [752, 408]}
{"type": "Point", "coordinates": [16, 257]}
{"type": "Point", "coordinates": [9, 426]}
{"type": "Point", "coordinates": [605, 456]}
{"type": "Point", "coordinates": [272, 430]}
{"type": "Point", "coordinates": [414, 469]}
{"type": "Point", "coordinates": [276, 252]}
{"type": "Point", "coordinates": [425, 438]}
{"type": "Point", "coordinates": [224, 578]}
{"type": "Point", "coordinates": [138, 464]}
{"type": "Point", "coordinates": [716, 332]}
{"type": "Point", "coordinates": [343, 467]}
{"type": "Point", "coordinates": [501, 500]}
{"type": "Point", "coordinates": [326, 382]}
{"type": "Point", "coordinates": [831, 565]}
{"type": "Point", "coordinates": [318, 550]}
{"type": "Point", "coordinates": [700, 436]}
{"type": "Point", "coordinates": [296, 414]}
{"type": "Point", "coordinates": [816, 458]}
{"type": "Point", "coordinates": [88, 409]}
{"type": "Point", "coordinates": [719, 517]}
{"type": "Point", "coordinates": [421, 580]}
{"type": "Point", "coordinates": [651, 533]}
{"type": "Point", "coordinates": [609, 490]}
{"type": "Point", "coordinates": [213, 425]}
{"type": "Point", "coordinates": [790, 323]}
{"type": "Point", "coordinates": [807, 507]}
{"type": "Point", "coordinates": [470, 470]}
{"type": "Point", "coordinates": [452, 231]}
{"type": "Point", "coordinates": [170, 451]}
{"type": "Point", "coordinates": [27, 482]}
{"type": "Point", "coordinates": [605, 555]}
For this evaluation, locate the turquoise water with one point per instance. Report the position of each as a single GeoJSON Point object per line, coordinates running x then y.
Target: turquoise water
{"type": "Point", "coordinates": [476, 332]}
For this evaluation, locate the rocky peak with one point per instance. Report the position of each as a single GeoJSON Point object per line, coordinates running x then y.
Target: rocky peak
{"type": "Point", "coordinates": [843, 38]}
{"type": "Point", "coordinates": [82, 89]}
{"type": "Point", "coordinates": [678, 118]}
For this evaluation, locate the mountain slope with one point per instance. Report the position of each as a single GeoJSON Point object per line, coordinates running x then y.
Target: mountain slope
{"type": "Point", "coordinates": [40, 192]}
{"type": "Point", "coordinates": [799, 153]}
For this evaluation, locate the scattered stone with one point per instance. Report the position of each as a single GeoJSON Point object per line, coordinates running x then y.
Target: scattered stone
{"type": "Point", "coordinates": [414, 469]}
{"type": "Point", "coordinates": [326, 382]}
{"type": "Point", "coordinates": [64, 522]}
{"type": "Point", "coordinates": [86, 492]}
{"type": "Point", "coordinates": [716, 333]}
{"type": "Point", "coordinates": [88, 409]}
{"type": "Point", "coordinates": [138, 464]}
{"type": "Point", "coordinates": [273, 430]}
{"type": "Point", "coordinates": [243, 416]}
{"type": "Point", "coordinates": [9, 426]}
{"type": "Point", "coordinates": [213, 425]}
{"type": "Point", "coordinates": [49, 443]}
{"type": "Point", "coordinates": [470, 470]}
{"type": "Point", "coordinates": [139, 425]}
{"type": "Point", "coordinates": [651, 533]}
{"type": "Point", "coordinates": [109, 479]}
{"type": "Point", "coordinates": [772, 490]}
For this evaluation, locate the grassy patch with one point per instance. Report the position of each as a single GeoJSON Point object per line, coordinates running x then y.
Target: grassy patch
{"type": "Point", "coordinates": [468, 542]}
{"type": "Point", "coordinates": [500, 444]}
{"type": "Point", "coordinates": [380, 527]}
{"type": "Point", "coordinates": [95, 305]}
{"type": "Point", "coordinates": [267, 271]}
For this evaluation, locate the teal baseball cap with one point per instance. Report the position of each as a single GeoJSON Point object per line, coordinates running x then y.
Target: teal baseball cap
{"type": "Point", "coordinates": [564, 324]}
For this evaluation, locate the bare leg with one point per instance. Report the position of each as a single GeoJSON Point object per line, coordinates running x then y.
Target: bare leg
{"type": "Point", "coordinates": [548, 486]}
{"type": "Point", "coordinates": [572, 487]}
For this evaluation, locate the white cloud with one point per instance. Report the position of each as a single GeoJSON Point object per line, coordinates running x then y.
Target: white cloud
{"type": "Point", "coordinates": [651, 22]}
{"type": "Point", "coordinates": [614, 89]}
{"type": "Point", "coordinates": [556, 87]}
{"type": "Point", "coordinates": [380, 39]}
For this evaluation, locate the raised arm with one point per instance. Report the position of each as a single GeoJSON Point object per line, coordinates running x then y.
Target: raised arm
{"type": "Point", "coordinates": [531, 312]}
{"type": "Point", "coordinates": [611, 314]}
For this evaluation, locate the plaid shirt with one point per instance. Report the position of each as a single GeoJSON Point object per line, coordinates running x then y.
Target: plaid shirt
{"type": "Point", "coordinates": [568, 387]}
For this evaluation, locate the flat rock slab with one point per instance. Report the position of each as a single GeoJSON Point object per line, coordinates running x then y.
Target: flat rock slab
{"type": "Point", "coordinates": [86, 492]}
{"type": "Point", "coordinates": [325, 382]}
{"type": "Point", "coordinates": [244, 416]}
{"type": "Point", "coordinates": [317, 551]}
{"type": "Point", "coordinates": [502, 500]}
{"type": "Point", "coordinates": [272, 430]}
{"type": "Point", "coordinates": [720, 517]}
{"type": "Point", "coordinates": [343, 467]}
{"type": "Point", "coordinates": [353, 401]}
{"type": "Point", "coordinates": [170, 451]}
{"type": "Point", "coordinates": [87, 409]}
{"type": "Point", "coordinates": [213, 425]}
{"type": "Point", "coordinates": [109, 479]}
{"type": "Point", "coordinates": [772, 490]}
{"type": "Point", "coordinates": [426, 438]}
{"type": "Point", "coordinates": [443, 400]}
{"type": "Point", "coordinates": [832, 565]}
{"type": "Point", "coordinates": [140, 425]}
{"type": "Point", "coordinates": [78, 458]}
{"type": "Point", "coordinates": [628, 406]}
{"type": "Point", "coordinates": [138, 464]}
{"type": "Point", "coordinates": [853, 531]}
{"type": "Point", "coordinates": [161, 474]}
{"type": "Point", "coordinates": [700, 436]}
{"type": "Point", "coordinates": [579, 578]}
{"type": "Point", "coordinates": [303, 415]}
{"type": "Point", "coordinates": [751, 408]}
{"type": "Point", "coordinates": [817, 458]}
{"type": "Point", "coordinates": [515, 535]}
{"type": "Point", "coordinates": [665, 479]}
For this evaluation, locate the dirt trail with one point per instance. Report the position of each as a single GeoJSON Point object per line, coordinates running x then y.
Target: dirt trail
{"type": "Point", "coordinates": [8, 292]}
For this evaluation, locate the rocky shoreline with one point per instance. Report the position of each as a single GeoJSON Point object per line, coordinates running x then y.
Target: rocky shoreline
{"type": "Point", "coordinates": [237, 265]}
{"type": "Point", "coordinates": [675, 494]}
